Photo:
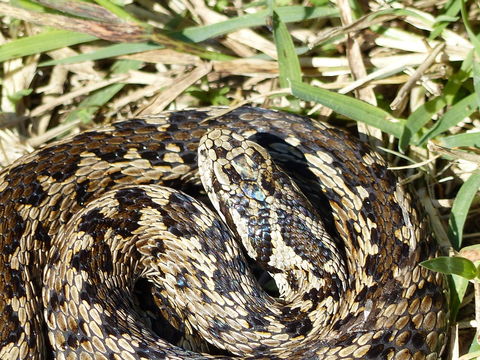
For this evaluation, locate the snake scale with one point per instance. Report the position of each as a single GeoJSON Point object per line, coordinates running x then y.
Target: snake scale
{"type": "Point", "coordinates": [82, 219]}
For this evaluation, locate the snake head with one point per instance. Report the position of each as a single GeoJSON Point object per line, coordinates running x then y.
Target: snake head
{"type": "Point", "coordinates": [267, 210]}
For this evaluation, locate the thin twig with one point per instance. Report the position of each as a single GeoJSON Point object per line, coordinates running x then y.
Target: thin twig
{"type": "Point", "coordinates": [402, 94]}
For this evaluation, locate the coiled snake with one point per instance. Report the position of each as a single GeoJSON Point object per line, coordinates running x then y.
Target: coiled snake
{"type": "Point", "coordinates": [82, 219]}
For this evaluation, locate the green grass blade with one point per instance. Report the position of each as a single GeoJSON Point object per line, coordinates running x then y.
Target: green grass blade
{"type": "Point", "coordinates": [474, 38]}
{"type": "Point", "coordinates": [452, 117]}
{"type": "Point", "coordinates": [90, 105]}
{"type": "Point", "coordinates": [160, 37]}
{"type": "Point", "coordinates": [474, 349]}
{"type": "Point", "coordinates": [45, 41]}
{"type": "Point", "coordinates": [298, 13]}
{"type": "Point", "coordinates": [28, 5]}
{"type": "Point", "coordinates": [106, 52]}
{"type": "Point", "coordinates": [287, 14]}
{"type": "Point", "coordinates": [460, 208]}
{"type": "Point", "coordinates": [424, 113]}
{"type": "Point", "coordinates": [467, 139]}
{"type": "Point", "coordinates": [117, 10]}
{"type": "Point", "coordinates": [288, 63]}
{"type": "Point", "coordinates": [80, 9]}
{"type": "Point", "coordinates": [452, 10]}
{"type": "Point", "coordinates": [350, 107]}
{"type": "Point", "coordinates": [458, 287]}
{"type": "Point", "coordinates": [476, 80]}
{"type": "Point", "coordinates": [452, 265]}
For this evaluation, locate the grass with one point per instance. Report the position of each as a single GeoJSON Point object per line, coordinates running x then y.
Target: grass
{"type": "Point", "coordinates": [407, 74]}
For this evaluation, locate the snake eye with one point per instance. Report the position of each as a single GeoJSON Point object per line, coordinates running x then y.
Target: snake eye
{"type": "Point", "coordinates": [253, 191]}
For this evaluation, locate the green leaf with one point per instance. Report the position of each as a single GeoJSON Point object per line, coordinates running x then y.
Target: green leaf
{"type": "Point", "coordinates": [465, 139]}
{"type": "Point", "coordinates": [473, 250]}
{"type": "Point", "coordinates": [45, 41]}
{"type": "Point", "coordinates": [287, 14]}
{"type": "Point", "coordinates": [475, 39]}
{"type": "Point", "coordinates": [167, 40]}
{"type": "Point", "coordinates": [476, 80]}
{"type": "Point", "coordinates": [287, 58]}
{"type": "Point", "coordinates": [212, 96]}
{"type": "Point", "coordinates": [446, 18]}
{"type": "Point", "coordinates": [105, 53]}
{"type": "Point", "coordinates": [460, 208]}
{"type": "Point", "coordinates": [452, 10]}
{"type": "Point", "coordinates": [471, 34]}
{"type": "Point", "coordinates": [452, 117]}
{"type": "Point", "coordinates": [349, 107]}
{"type": "Point", "coordinates": [427, 111]}
{"type": "Point", "coordinates": [117, 10]}
{"type": "Point", "coordinates": [26, 4]}
{"type": "Point", "coordinates": [99, 98]}
{"type": "Point", "coordinates": [452, 265]}
{"type": "Point", "coordinates": [14, 98]}
{"type": "Point", "coordinates": [458, 287]}
{"type": "Point", "coordinates": [474, 350]}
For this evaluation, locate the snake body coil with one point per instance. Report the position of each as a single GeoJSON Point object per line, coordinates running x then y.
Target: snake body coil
{"type": "Point", "coordinates": [83, 218]}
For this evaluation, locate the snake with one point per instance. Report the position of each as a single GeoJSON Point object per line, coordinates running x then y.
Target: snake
{"type": "Point", "coordinates": [191, 202]}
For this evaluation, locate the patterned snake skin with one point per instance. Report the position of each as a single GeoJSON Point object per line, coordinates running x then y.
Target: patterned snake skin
{"type": "Point", "coordinates": [82, 219]}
